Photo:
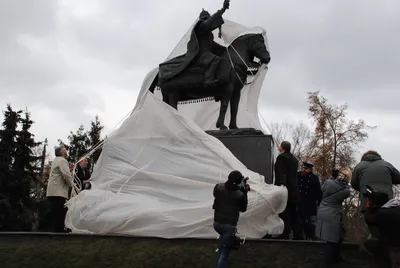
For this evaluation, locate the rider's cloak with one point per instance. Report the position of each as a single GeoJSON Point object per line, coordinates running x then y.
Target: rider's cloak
{"type": "Point", "coordinates": [175, 66]}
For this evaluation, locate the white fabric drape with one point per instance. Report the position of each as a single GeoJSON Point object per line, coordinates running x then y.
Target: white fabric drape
{"type": "Point", "coordinates": [156, 173]}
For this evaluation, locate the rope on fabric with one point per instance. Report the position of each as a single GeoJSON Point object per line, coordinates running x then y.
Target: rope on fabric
{"type": "Point", "coordinates": [77, 184]}
{"type": "Point", "coordinates": [261, 184]}
{"type": "Point", "coordinates": [253, 207]}
{"type": "Point", "coordinates": [233, 66]}
{"type": "Point", "coordinates": [147, 165]}
{"type": "Point", "coordinates": [144, 145]}
{"type": "Point", "coordinates": [140, 169]}
{"type": "Point", "coordinates": [77, 188]}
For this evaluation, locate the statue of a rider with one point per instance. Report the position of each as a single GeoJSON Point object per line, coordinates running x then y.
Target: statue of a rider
{"type": "Point", "coordinates": [201, 50]}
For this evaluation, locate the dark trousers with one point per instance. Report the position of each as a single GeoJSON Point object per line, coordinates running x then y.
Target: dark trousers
{"type": "Point", "coordinates": [291, 218]}
{"type": "Point", "coordinates": [309, 223]}
{"type": "Point", "coordinates": [332, 253]}
{"type": "Point", "coordinates": [56, 215]}
{"type": "Point", "coordinates": [226, 232]}
{"type": "Point", "coordinates": [374, 230]}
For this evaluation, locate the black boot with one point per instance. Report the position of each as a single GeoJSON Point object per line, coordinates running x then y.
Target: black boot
{"type": "Point", "coordinates": [337, 257]}
{"type": "Point", "coordinates": [329, 254]}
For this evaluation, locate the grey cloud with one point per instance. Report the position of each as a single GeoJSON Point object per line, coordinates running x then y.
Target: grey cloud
{"type": "Point", "coordinates": [127, 34]}
{"type": "Point", "coordinates": [52, 50]}
{"type": "Point", "coordinates": [32, 67]}
{"type": "Point", "coordinates": [358, 51]}
{"type": "Point", "coordinates": [19, 68]}
{"type": "Point", "coordinates": [352, 52]}
{"type": "Point", "coordinates": [347, 49]}
{"type": "Point", "coordinates": [18, 16]}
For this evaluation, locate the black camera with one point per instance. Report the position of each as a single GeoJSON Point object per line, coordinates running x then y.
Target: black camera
{"type": "Point", "coordinates": [243, 186]}
{"type": "Point", "coordinates": [375, 199]}
{"type": "Point", "coordinates": [368, 192]}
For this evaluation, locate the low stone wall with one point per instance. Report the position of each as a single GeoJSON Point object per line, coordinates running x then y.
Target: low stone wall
{"type": "Point", "coordinates": [66, 250]}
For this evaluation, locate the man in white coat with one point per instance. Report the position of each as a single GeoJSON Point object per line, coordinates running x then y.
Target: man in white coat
{"type": "Point", "coordinates": [58, 186]}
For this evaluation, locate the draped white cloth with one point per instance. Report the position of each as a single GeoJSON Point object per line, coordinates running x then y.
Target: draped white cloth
{"type": "Point", "coordinates": [156, 173]}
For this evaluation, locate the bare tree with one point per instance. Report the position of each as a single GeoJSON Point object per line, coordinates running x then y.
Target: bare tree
{"type": "Point", "coordinates": [279, 131]}
{"type": "Point", "coordinates": [336, 136]}
{"type": "Point", "coordinates": [356, 228]}
{"type": "Point", "coordinates": [299, 135]}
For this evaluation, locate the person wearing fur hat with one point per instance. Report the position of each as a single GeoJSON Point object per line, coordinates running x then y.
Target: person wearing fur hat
{"type": "Point", "coordinates": [329, 216]}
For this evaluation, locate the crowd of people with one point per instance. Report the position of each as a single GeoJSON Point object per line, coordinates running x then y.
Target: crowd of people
{"type": "Point", "coordinates": [314, 211]}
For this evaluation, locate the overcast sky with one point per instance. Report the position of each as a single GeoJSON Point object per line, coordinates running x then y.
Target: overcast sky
{"type": "Point", "coordinates": [68, 60]}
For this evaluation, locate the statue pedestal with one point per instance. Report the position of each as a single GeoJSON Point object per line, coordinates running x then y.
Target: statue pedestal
{"type": "Point", "coordinates": [251, 147]}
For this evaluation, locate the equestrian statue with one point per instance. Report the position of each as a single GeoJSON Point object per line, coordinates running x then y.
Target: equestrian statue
{"type": "Point", "coordinates": [208, 69]}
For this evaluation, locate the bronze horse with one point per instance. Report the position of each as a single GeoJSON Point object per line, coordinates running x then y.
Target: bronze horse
{"type": "Point", "coordinates": [240, 55]}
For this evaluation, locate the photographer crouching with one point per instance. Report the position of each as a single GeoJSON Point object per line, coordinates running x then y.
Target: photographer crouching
{"type": "Point", "coordinates": [230, 198]}
{"type": "Point", "coordinates": [383, 214]}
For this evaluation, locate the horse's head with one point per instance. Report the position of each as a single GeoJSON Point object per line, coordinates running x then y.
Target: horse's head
{"type": "Point", "coordinates": [256, 47]}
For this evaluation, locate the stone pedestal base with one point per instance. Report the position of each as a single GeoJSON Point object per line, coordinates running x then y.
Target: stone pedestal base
{"type": "Point", "coordinates": [251, 147]}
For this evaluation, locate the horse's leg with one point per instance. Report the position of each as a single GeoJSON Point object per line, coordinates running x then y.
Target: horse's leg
{"type": "Point", "coordinates": [235, 99]}
{"type": "Point", "coordinates": [224, 107]}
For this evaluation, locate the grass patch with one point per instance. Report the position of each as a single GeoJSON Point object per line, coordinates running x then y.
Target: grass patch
{"type": "Point", "coordinates": [19, 251]}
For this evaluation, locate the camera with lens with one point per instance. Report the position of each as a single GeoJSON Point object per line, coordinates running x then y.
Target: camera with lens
{"type": "Point", "coordinates": [368, 192]}
{"type": "Point", "coordinates": [244, 186]}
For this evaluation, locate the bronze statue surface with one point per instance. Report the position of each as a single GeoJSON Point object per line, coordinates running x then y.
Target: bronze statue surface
{"type": "Point", "coordinates": [201, 49]}
{"type": "Point", "coordinates": [208, 69]}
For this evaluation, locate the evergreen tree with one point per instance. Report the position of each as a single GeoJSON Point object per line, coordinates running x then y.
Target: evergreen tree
{"type": "Point", "coordinates": [27, 159]}
{"type": "Point", "coordinates": [40, 165]}
{"type": "Point", "coordinates": [94, 135]}
{"type": "Point", "coordinates": [82, 142]}
{"type": "Point", "coordinates": [8, 186]}
{"type": "Point", "coordinates": [27, 167]}
{"type": "Point", "coordinates": [18, 172]}
{"type": "Point", "coordinates": [79, 144]}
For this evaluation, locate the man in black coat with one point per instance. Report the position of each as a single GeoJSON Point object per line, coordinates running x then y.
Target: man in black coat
{"type": "Point", "coordinates": [286, 166]}
{"type": "Point", "coordinates": [310, 198]}
{"type": "Point", "coordinates": [229, 200]}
